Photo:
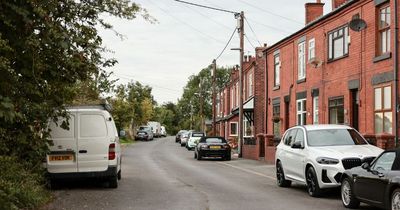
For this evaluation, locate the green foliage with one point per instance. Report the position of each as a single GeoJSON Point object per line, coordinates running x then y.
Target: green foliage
{"type": "Point", "coordinates": [196, 99]}
{"type": "Point", "coordinates": [20, 188]}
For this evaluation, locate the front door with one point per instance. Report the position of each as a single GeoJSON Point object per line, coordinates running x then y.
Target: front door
{"type": "Point", "coordinates": [354, 108]}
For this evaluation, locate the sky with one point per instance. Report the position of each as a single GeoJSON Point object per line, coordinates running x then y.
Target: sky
{"type": "Point", "coordinates": [186, 39]}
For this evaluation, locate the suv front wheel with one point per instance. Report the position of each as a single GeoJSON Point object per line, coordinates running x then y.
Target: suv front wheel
{"type": "Point", "coordinates": [312, 183]}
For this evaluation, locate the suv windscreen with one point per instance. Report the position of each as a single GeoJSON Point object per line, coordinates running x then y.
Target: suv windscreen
{"type": "Point", "coordinates": [334, 137]}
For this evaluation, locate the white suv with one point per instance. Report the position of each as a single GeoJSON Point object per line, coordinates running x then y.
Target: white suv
{"type": "Point", "coordinates": [317, 155]}
{"type": "Point", "coordinates": [89, 148]}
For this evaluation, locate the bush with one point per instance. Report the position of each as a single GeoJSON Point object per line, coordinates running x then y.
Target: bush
{"type": "Point", "coordinates": [20, 188]}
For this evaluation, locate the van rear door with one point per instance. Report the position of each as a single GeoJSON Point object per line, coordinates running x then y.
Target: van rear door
{"type": "Point", "coordinates": [62, 157]}
{"type": "Point", "coordinates": [93, 142]}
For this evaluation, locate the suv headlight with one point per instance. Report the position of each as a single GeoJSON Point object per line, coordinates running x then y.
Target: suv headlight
{"type": "Point", "coordinates": [327, 161]}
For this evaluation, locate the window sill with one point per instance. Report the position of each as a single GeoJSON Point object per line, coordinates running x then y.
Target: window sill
{"type": "Point", "coordinates": [382, 57]}
{"type": "Point", "coordinates": [338, 58]}
{"type": "Point", "coordinates": [301, 80]}
{"type": "Point", "coordinates": [276, 87]}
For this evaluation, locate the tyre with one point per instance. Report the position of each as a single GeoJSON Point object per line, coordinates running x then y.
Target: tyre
{"type": "Point", "coordinates": [195, 155]}
{"type": "Point", "coordinates": [119, 174]}
{"type": "Point", "coordinates": [113, 181]}
{"type": "Point", "coordinates": [227, 157]}
{"type": "Point", "coordinates": [182, 145]}
{"type": "Point", "coordinates": [198, 156]}
{"type": "Point", "coordinates": [280, 176]}
{"type": "Point", "coordinates": [349, 200]}
{"type": "Point", "coordinates": [312, 183]}
{"type": "Point", "coordinates": [395, 200]}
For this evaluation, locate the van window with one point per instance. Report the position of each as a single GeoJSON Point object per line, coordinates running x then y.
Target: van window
{"type": "Point", "coordinates": [58, 132]}
{"type": "Point", "coordinates": [92, 125]}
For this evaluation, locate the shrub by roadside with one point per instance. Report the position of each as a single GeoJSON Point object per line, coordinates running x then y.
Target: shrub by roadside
{"type": "Point", "coordinates": [20, 187]}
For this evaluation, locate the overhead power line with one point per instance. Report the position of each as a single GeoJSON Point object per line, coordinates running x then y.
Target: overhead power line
{"type": "Point", "coordinates": [271, 13]}
{"type": "Point", "coordinates": [254, 33]}
{"type": "Point", "coordinates": [208, 7]}
{"type": "Point", "coordinates": [248, 40]}
{"type": "Point", "coordinates": [223, 50]}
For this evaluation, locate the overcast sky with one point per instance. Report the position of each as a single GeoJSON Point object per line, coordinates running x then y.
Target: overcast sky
{"type": "Point", "coordinates": [186, 39]}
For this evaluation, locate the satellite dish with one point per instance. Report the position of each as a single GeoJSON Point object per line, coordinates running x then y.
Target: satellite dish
{"type": "Point", "coordinates": [357, 24]}
{"type": "Point", "coordinates": [316, 62]}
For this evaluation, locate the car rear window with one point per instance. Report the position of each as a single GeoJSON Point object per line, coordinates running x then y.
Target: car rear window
{"type": "Point", "coordinates": [334, 137]}
{"type": "Point", "coordinates": [197, 134]}
{"type": "Point", "coordinates": [213, 140]}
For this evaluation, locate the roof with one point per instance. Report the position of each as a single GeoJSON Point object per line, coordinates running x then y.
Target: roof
{"type": "Point", "coordinates": [325, 126]}
{"type": "Point", "coordinates": [313, 23]}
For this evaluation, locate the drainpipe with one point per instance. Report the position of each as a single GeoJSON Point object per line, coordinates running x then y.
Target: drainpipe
{"type": "Point", "coordinates": [396, 70]}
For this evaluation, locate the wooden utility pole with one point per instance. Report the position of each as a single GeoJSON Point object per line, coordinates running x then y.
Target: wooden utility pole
{"type": "Point", "coordinates": [241, 33]}
{"type": "Point", "coordinates": [214, 133]}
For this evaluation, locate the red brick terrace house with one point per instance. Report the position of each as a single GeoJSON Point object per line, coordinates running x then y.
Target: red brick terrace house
{"type": "Point", "coordinates": [338, 69]}
{"type": "Point", "coordinates": [228, 106]}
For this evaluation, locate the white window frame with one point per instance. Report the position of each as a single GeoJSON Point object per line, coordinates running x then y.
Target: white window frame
{"type": "Point", "coordinates": [250, 83]}
{"type": "Point", "coordinates": [311, 49]}
{"type": "Point", "coordinates": [232, 98]}
{"type": "Point", "coordinates": [316, 110]}
{"type": "Point", "coordinates": [301, 48]}
{"type": "Point", "coordinates": [237, 95]}
{"type": "Point", "coordinates": [300, 112]}
{"type": "Point", "coordinates": [230, 129]}
{"type": "Point", "coordinates": [277, 70]}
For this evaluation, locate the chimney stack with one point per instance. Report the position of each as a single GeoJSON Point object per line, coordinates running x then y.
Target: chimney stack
{"type": "Point", "coordinates": [314, 10]}
{"type": "Point", "coordinates": [337, 3]}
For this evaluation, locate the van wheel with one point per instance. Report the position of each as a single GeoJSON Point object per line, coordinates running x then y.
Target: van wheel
{"type": "Point", "coordinates": [113, 181]}
{"type": "Point", "coordinates": [119, 174]}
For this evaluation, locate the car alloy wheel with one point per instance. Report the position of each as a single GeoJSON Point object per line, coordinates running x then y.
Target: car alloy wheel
{"type": "Point", "coordinates": [312, 183]}
{"type": "Point", "coordinates": [396, 199]}
{"type": "Point", "coordinates": [348, 198]}
{"type": "Point", "coordinates": [280, 176]}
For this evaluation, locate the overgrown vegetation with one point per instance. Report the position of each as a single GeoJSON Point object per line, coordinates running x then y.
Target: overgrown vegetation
{"type": "Point", "coordinates": [50, 56]}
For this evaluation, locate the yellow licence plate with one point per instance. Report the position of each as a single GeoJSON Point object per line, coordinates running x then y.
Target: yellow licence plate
{"type": "Point", "coordinates": [61, 157]}
{"type": "Point", "coordinates": [215, 147]}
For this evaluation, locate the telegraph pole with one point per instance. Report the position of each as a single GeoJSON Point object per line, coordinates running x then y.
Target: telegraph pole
{"type": "Point", "coordinates": [214, 97]}
{"type": "Point", "coordinates": [241, 34]}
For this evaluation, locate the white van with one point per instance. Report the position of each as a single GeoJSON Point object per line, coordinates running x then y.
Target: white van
{"type": "Point", "coordinates": [90, 148]}
{"type": "Point", "coordinates": [156, 128]}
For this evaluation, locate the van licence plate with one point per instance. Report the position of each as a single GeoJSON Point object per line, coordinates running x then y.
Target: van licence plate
{"type": "Point", "coordinates": [61, 157]}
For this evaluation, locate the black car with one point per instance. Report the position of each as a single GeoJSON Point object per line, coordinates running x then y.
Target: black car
{"type": "Point", "coordinates": [377, 184]}
{"type": "Point", "coordinates": [212, 147]}
{"type": "Point", "coordinates": [178, 136]}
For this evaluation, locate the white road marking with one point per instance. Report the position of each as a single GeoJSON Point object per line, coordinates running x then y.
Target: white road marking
{"type": "Point", "coordinates": [248, 171]}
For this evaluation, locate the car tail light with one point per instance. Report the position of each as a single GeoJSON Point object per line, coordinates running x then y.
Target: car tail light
{"type": "Point", "coordinates": [111, 152]}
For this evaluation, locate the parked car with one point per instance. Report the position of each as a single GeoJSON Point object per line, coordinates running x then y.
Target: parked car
{"type": "Point", "coordinates": [377, 184]}
{"type": "Point", "coordinates": [144, 133]}
{"type": "Point", "coordinates": [155, 127]}
{"type": "Point", "coordinates": [178, 136]}
{"type": "Point", "coordinates": [212, 147]}
{"type": "Point", "coordinates": [184, 138]}
{"type": "Point", "coordinates": [163, 131]}
{"type": "Point", "coordinates": [317, 155]}
{"type": "Point", "coordinates": [194, 137]}
{"type": "Point", "coordinates": [90, 147]}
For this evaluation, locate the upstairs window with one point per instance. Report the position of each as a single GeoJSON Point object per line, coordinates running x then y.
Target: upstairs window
{"type": "Point", "coordinates": [384, 30]}
{"type": "Point", "coordinates": [301, 60]}
{"type": "Point", "coordinates": [277, 69]}
{"type": "Point", "coordinates": [250, 82]}
{"type": "Point", "coordinates": [311, 49]}
{"type": "Point", "coordinates": [338, 43]}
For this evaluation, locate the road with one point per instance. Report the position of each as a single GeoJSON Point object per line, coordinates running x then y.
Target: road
{"type": "Point", "coordinates": [162, 175]}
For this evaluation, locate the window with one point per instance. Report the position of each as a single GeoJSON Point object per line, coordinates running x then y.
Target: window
{"type": "Point", "coordinates": [301, 60]}
{"type": "Point", "coordinates": [237, 95]}
{"type": "Point", "coordinates": [338, 43]}
{"type": "Point", "coordinates": [250, 91]}
{"type": "Point", "coordinates": [277, 69]}
{"type": "Point", "coordinates": [384, 162]}
{"type": "Point", "coordinates": [384, 30]}
{"type": "Point", "coordinates": [92, 126]}
{"type": "Point", "coordinates": [248, 129]}
{"type": "Point", "coordinates": [234, 129]}
{"type": "Point", "coordinates": [336, 111]}
{"type": "Point", "coordinates": [289, 138]}
{"type": "Point", "coordinates": [301, 112]}
{"type": "Point", "coordinates": [276, 114]}
{"type": "Point", "coordinates": [58, 131]}
{"type": "Point", "coordinates": [232, 98]}
{"type": "Point", "coordinates": [311, 49]}
{"type": "Point", "coordinates": [383, 109]}
{"type": "Point", "coordinates": [299, 137]}
{"type": "Point", "coordinates": [315, 110]}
